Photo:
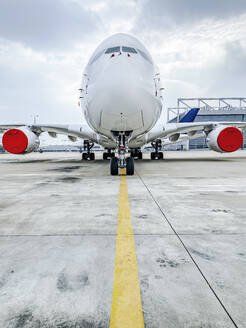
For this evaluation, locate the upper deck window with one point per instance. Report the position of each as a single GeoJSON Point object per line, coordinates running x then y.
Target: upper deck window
{"type": "Point", "coordinates": [96, 56]}
{"type": "Point", "coordinates": [128, 49]}
{"type": "Point", "coordinates": [112, 50]}
{"type": "Point", "coordinates": [143, 54]}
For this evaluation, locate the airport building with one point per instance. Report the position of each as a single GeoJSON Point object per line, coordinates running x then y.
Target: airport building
{"type": "Point", "coordinates": [211, 109]}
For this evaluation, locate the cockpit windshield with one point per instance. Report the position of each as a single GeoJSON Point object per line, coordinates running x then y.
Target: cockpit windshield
{"type": "Point", "coordinates": [112, 50]}
{"type": "Point", "coordinates": [128, 49]}
{"type": "Point", "coordinates": [118, 49]}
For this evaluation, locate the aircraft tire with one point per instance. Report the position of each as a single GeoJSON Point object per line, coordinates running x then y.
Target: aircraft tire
{"type": "Point", "coordinates": [114, 166]}
{"type": "Point", "coordinates": [160, 155]}
{"type": "Point", "coordinates": [105, 156]}
{"type": "Point", "coordinates": [84, 156]}
{"type": "Point", "coordinates": [92, 156]}
{"type": "Point", "coordinates": [129, 166]}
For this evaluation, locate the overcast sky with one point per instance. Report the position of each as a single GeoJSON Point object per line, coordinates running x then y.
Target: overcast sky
{"type": "Point", "coordinates": [199, 46]}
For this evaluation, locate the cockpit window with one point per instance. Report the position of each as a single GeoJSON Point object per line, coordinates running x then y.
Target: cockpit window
{"type": "Point", "coordinates": [143, 54]}
{"type": "Point", "coordinates": [128, 49]}
{"type": "Point", "coordinates": [96, 56]}
{"type": "Point", "coordinates": [112, 50]}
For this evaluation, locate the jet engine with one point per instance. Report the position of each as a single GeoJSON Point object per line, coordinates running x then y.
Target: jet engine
{"type": "Point", "coordinates": [20, 141]}
{"type": "Point", "coordinates": [225, 139]}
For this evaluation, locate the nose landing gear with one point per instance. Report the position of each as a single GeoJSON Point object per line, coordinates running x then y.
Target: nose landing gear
{"type": "Point", "coordinates": [122, 161]}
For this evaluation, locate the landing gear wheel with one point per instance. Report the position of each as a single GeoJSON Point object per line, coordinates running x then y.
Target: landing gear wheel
{"type": "Point", "coordinates": [84, 156]}
{"type": "Point", "coordinates": [140, 155]}
{"type": "Point", "coordinates": [105, 156]}
{"type": "Point", "coordinates": [129, 166]}
{"type": "Point", "coordinates": [114, 166]}
{"type": "Point", "coordinates": [92, 156]}
{"type": "Point", "coordinates": [157, 154]}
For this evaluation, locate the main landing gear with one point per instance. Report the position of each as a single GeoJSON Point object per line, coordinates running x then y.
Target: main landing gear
{"type": "Point", "coordinates": [108, 154]}
{"type": "Point", "coordinates": [136, 153]}
{"type": "Point", "coordinates": [157, 154]}
{"type": "Point", "coordinates": [87, 147]}
{"type": "Point", "coordinates": [122, 161]}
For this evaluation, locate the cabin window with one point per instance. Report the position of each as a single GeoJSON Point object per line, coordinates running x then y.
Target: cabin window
{"type": "Point", "coordinates": [112, 50]}
{"type": "Point", "coordinates": [128, 49]}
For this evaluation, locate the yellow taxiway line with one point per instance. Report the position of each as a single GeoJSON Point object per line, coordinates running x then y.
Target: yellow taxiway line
{"type": "Point", "coordinates": [126, 308]}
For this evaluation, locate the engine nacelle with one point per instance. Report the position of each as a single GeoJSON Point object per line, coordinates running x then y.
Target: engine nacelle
{"type": "Point", "coordinates": [225, 139]}
{"type": "Point", "coordinates": [20, 141]}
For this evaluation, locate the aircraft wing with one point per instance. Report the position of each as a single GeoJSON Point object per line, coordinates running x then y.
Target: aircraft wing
{"type": "Point", "coordinates": [183, 137]}
{"type": "Point", "coordinates": [170, 130]}
{"type": "Point", "coordinates": [72, 131]}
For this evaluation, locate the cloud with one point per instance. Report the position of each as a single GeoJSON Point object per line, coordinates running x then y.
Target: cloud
{"type": "Point", "coordinates": [228, 77]}
{"type": "Point", "coordinates": [44, 45]}
{"type": "Point", "coordinates": [34, 83]}
{"type": "Point", "coordinates": [201, 60]}
{"type": "Point", "coordinates": [46, 25]}
{"type": "Point", "coordinates": [165, 14]}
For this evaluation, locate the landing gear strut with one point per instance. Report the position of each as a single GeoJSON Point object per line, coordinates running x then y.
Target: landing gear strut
{"type": "Point", "coordinates": [157, 154]}
{"type": "Point", "coordinates": [122, 150]}
{"type": "Point", "coordinates": [122, 161]}
{"type": "Point", "coordinates": [87, 147]}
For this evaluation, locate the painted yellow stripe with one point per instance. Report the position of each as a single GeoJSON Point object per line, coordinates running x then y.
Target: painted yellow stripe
{"type": "Point", "coordinates": [126, 309]}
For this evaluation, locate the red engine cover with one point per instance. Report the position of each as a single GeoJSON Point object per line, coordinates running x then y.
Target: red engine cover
{"type": "Point", "coordinates": [230, 139]}
{"type": "Point", "coordinates": [15, 141]}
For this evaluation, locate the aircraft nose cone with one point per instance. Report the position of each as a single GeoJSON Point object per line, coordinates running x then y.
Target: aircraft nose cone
{"type": "Point", "coordinates": [119, 102]}
{"type": "Point", "coordinates": [117, 94]}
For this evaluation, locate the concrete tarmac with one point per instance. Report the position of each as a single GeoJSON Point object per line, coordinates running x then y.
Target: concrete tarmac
{"type": "Point", "coordinates": [58, 228]}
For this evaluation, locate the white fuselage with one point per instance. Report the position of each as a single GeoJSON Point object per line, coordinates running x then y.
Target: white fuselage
{"type": "Point", "coordinates": [120, 88]}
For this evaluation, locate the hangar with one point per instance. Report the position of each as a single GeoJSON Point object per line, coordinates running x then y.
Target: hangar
{"type": "Point", "coordinates": [230, 109]}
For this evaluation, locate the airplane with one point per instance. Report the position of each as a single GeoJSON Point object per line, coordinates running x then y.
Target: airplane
{"type": "Point", "coordinates": [121, 99]}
